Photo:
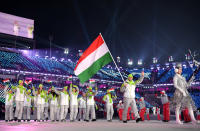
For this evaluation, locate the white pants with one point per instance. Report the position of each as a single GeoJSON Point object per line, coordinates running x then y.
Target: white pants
{"type": "Point", "coordinates": [110, 112]}
{"type": "Point", "coordinates": [19, 109]}
{"type": "Point", "coordinates": [90, 110]}
{"type": "Point", "coordinates": [53, 112]}
{"type": "Point", "coordinates": [46, 114]}
{"type": "Point", "coordinates": [73, 112]}
{"type": "Point", "coordinates": [58, 113]}
{"type": "Point", "coordinates": [8, 112]}
{"type": "Point", "coordinates": [177, 112]}
{"type": "Point", "coordinates": [130, 102]}
{"type": "Point", "coordinates": [63, 112]}
{"type": "Point", "coordinates": [35, 113]}
{"type": "Point", "coordinates": [27, 113]}
{"type": "Point", "coordinates": [82, 113]}
{"type": "Point", "coordinates": [40, 111]}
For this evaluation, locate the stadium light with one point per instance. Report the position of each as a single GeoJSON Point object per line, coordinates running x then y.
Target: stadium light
{"type": "Point", "coordinates": [66, 51]}
{"type": "Point", "coordinates": [171, 59]}
{"type": "Point", "coordinates": [140, 62]}
{"type": "Point", "coordinates": [187, 56]}
{"type": "Point", "coordinates": [80, 52]}
{"type": "Point", "coordinates": [130, 62]}
{"type": "Point", "coordinates": [118, 59]}
{"type": "Point", "coordinates": [155, 60]}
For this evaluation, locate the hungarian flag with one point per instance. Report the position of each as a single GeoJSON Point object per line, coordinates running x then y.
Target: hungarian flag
{"type": "Point", "coordinates": [29, 82]}
{"type": "Point", "coordinates": [49, 81]}
{"type": "Point", "coordinates": [6, 81]}
{"type": "Point", "coordinates": [26, 82]}
{"type": "Point", "coordinates": [92, 81]}
{"type": "Point", "coordinates": [93, 59]}
{"type": "Point", "coordinates": [111, 90]}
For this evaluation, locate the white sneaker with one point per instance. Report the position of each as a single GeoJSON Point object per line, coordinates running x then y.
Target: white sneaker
{"type": "Point", "coordinates": [179, 122]}
{"type": "Point", "coordinates": [194, 122]}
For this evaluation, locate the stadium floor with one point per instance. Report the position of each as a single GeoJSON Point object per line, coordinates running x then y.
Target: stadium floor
{"type": "Point", "coordinates": [100, 125]}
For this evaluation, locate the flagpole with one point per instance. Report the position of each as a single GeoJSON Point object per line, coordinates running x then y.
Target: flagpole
{"type": "Point", "coordinates": [113, 60]}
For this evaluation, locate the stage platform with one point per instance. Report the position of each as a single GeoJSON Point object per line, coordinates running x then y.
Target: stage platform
{"type": "Point", "coordinates": [99, 125]}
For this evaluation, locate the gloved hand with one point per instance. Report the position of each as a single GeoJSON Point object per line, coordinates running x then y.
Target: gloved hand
{"type": "Point", "coordinates": [184, 94]}
{"type": "Point", "coordinates": [125, 84]}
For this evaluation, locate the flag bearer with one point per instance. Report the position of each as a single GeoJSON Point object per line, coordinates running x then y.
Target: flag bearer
{"type": "Point", "coordinates": [128, 88]}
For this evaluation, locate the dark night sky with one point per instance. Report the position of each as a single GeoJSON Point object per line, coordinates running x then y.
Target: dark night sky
{"type": "Point", "coordinates": [131, 28]}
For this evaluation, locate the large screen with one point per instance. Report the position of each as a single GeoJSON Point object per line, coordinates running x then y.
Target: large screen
{"type": "Point", "coordinates": [18, 26]}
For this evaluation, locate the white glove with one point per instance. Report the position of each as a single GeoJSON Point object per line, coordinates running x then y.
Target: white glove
{"type": "Point", "coordinates": [125, 84]}
{"type": "Point", "coordinates": [184, 94]}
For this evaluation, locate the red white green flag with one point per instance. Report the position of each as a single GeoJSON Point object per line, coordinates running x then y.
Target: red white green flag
{"type": "Point", "coordinates": [49, 81]}
{"type": "Point", "coordinates": [6, 81]}
{"type": "Point", "coordinates": [111, 90]}
{"type": "Point", "coordinates": [93, 59]}
{"type": "Point", "coordinates": [92, 81]}
{"type": "Point", "coordinates": [26, 82]}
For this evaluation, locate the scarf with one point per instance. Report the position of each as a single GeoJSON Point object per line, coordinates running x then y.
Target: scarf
{"type": "Point", "coordinates": [54, 97]}
{"type": "Point", "coordinates": [75, 93]}
{"type": "Point", "coordinates": [28, 98]}
{"type": "Point", "coordinates": [9, 96]}
{"type": "Point", "coordinates": [90, 92]}
{"type": "Point", "coordinates": [110, 99]}
{"type": "Point", "coordinates": [21, 88]}
{"type": "Point", "coordinates": [46, 98]}
{"type": "Point", "coordinates": [65, 92]}
{"type": "Point", "coordinates": [42, 94]}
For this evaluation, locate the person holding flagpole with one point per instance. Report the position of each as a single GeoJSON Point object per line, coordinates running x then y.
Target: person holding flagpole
{"type": "Point", "coordinates": [128, 88]}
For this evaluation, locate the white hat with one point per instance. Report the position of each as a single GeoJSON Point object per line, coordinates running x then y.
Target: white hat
{"type": "Point", "coordinates": [120, 101]}
{"type": "Point", "coordinates": [178, 66]}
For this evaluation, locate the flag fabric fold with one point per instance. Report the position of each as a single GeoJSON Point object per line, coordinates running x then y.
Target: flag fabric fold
{"type": "Point", "coordinates": [95, 57]}
{"type": "Point", "coordinates": [111, 90]}
{"type": "Point", "coordinates": [6, 81]}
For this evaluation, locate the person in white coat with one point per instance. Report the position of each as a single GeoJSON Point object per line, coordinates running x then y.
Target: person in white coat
{"type": "Point", "coordinates": [46, 107]}
{"type": "Point", "coordinates": [73, 102]}
{"type": "Point", "coordinates": [108, 98]}
{"type": "Point", "coordinates": [35, 106]}
{"type": "Point", "coordinates": [9, 96]}
{"type": "Point", "coordinates": [64, 104]}
{"type": "Point", "coordinates": [182, 98]}
{"type": "Point", "coordinates": [128, 88]}
{"type": "Point", "coordinates": [58, 109]}
{"type": "Point", "coordinates": [82, 107]}
{"type": "Point", "coordinates": [91, 104]}
{"type": "Point", "coordinates": [53, 104]}
{"type": "Point", "coordinates": [19, 100]}
{"type": "Point", "coordinates": [27, 106]}
{"type": "Point", "coordinates": [40, 102]}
